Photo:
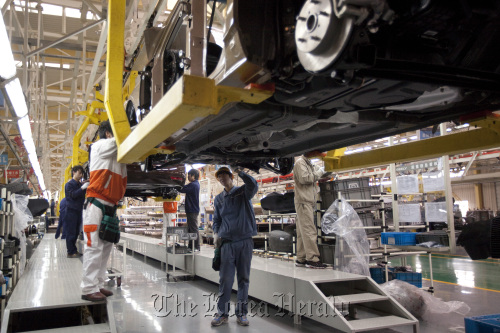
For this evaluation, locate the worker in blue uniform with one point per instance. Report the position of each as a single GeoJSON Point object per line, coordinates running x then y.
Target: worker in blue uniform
{"type": "Point", "coordinates": [75, 198]}
{"type": "Point", "coordinates": [192, 191]}
{"type": "Point", "coordinates": [60, 224]}
{"type": "Point", "coordinates": [234, 225]}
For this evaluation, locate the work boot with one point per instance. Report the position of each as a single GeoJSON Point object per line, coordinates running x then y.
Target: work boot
{"type": "Point", "coordinates": [242, 320]}
{"type": "Point", "coordinates": [316, 265]}
{"type": "Point", "coordinates": [106, 292]}
{"type": "Point", "coordinates": [95, 297]}
{"type": "Point", "coordinates": [219, 320]}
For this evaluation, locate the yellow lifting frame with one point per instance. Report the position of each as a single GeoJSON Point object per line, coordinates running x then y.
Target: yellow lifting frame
{"type": "Point", "coordinates": [487, 137]}
{"type": "Point", "coordinates": [81, 156]}
{"type": "Point", "coordinates": [191, 98]}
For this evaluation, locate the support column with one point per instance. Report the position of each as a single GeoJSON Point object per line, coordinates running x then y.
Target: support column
{"type": "Point", "coordinates": [394, 188]}
{"type": "Point", "coordinates": [448, 193]}
{"type": "Point", "coordinates": [478, 194]}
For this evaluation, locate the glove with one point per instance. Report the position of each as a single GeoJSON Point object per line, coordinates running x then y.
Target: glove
{"type": "Point", "coordinates": [318, 172]}
{"type": "Point", "coordinates": [216, 240]}
{"type": "Point", "coordinates": [84, 186]}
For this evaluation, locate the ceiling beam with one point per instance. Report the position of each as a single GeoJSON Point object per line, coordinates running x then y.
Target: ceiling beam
{"type": "Point", "coordinates": [71, 34]}
{"type": "Point", "coordinates": [65, 46]}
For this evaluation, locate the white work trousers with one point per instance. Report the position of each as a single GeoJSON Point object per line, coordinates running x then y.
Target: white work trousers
{"type": "Point", "coordinates": [96, 253]}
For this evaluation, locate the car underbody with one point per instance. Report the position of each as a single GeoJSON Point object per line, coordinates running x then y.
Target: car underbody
{"type": "Point", "coordinates": [343, 73]}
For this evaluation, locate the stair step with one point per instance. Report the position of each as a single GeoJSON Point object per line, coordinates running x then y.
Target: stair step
{"type": "Point", "coordinates": [96, 328]}
{"type": "Point", "coordinates": [379, 323]}
{"type": "Point", "coordinates": [358, 298]}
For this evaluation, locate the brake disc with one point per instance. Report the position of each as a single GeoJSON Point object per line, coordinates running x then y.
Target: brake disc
{"type": "Point", "coordinates": [320, 35]}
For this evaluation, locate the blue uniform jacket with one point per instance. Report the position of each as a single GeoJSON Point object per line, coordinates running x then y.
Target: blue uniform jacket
{"type": "Point", "coordinates": [234, 218]}
{"type": "Point", "coordinates": [75, 196]}
{"type": "Point", "coordinates": [192, 191]}
{"type": "Point", "coordinates": [62, 210]}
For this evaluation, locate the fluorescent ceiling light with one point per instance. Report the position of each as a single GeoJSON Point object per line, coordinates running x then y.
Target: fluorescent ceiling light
{"type": "Point", "coordinates": [7, 65]}
{"type": "Point", "coordinates": [30, 147]}
{"type": "Point", "coordinates": [18, 102]}
{"type": "Point", "coordinates": [16, 97]}
{"type": "Point", "coordinates": [25, 128]}
{"type": "Point", "coordinates": [413, 137]}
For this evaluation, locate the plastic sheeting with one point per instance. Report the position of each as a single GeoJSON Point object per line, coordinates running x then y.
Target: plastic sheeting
{"type": "Point", "coordinates": [353, 248]}
{"type": "Point", "coordinates": [22, 215]}
{"type": "Point", "coordinates": [421, 304]}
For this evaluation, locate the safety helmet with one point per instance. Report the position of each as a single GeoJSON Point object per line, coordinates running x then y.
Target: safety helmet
{"type": "Point", "coordinates": [223, 170]}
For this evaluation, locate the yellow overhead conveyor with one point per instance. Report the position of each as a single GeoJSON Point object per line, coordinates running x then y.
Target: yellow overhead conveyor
{"type": "Point", "coordinates": [486, 137]}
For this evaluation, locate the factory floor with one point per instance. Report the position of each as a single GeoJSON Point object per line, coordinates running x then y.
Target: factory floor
{"type": "Point", "coordinates": [147, 302]}
{"type": "Point", "coordinates": [456, 279]}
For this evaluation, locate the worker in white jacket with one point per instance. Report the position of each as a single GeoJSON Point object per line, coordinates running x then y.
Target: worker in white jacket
{"type": "Point", "coordinates": [305, 176]}
{"type": "Point", "coordinates": [108, 181]}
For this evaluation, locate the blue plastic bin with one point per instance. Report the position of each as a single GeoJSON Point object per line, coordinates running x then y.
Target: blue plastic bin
{"type": "Point", "coordinates": [483, 324]}
{"type": "Point", "coordinates": [399, 238]}
{"type": "Point", "coordinates": [410, 277]}
{"type": "Point", "coordinates": [377, 274]}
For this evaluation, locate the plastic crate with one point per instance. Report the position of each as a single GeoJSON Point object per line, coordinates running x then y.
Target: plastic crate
{"type": "Point", "coordinates": [483, 324]}
{"type": "Point", "coordinates": [410, 277]}
{"type": "Point", "coordinates": [178, 249]}
{"type": "Point", "coordinates": [9, 248]}
{"type": "Point", "coordinates": [399, 238]}
{"type": "Point", "coordinates": [377, 274]}
{"type": "Point", "coordinates": [440, 237]}
{"type": "Point", "coordinates": [327, 253]}
{"type": "Point", "coordinates": [177, 230]}
{"type": "Point", "coordinates": [328, 197]}
{"type": "Point", "coordinates": [346, 184]}
{"type": "Point", "coordinates": [349, 184]}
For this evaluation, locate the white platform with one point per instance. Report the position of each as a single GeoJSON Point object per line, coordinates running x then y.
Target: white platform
{"type": "Point", "coordinates": [272, 278]}
{"type": "Point", "coordinates": [50, 281]}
